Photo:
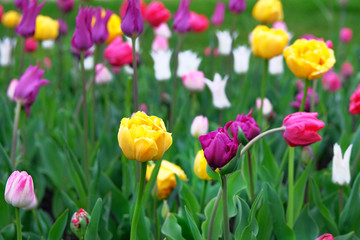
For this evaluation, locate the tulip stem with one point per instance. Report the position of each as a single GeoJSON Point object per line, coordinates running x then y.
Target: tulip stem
{"type": "Point", "coordinates": [135, 218]}
{"type": "Point", "coordinates": [150, 184]}
{"type": "Point", "coordinates": [213, 214]}
{"type": "Point", "coordinates": [135, 84]}
{"type": "Point", "coordinates": [312, 98]}
{"type": "Point", "coordinates": [203, 196]}
{"type": "Point", "coordinates": [14, 135]}
{"type": "Point", "coordinates": [341, 199]}
{"type": "Point", "coordinates": [18, 223]}
{"type": "Point", "coordinates": [303, 101]}
{"type": "Point", "coordinates": [290, 209]}
{"type": "Point", "coordinates": [263, 90]}
{"type": "Point", "coordinates": [252, 192]}
{"type": "Point", "coordinates": [22, 55]}
{"type": "Point", "coordinates": [225, 208]}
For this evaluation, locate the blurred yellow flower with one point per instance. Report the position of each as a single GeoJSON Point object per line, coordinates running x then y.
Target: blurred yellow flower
{"type": "Point", "coordinates": [200, 164]}
{"type": "Point", "coordinates": [268, 11]}
{"type": "Point", "coordinates": [46, 28]}
{"type": "Point", "coordinates": [267, 42]}
{"type": "Point", "coordinates": [309, 59]}
{"type": "Point", "coordinates": [166, 180]}
{"type": "Point", "coordinates": [143, 138]}
{"type": "Point", "coordinates": [114, 28]}
{"type": "Point", "coordinates": [11, 19]}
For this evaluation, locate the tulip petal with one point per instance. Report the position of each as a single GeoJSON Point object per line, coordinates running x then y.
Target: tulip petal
{"type": "Point", "coordinates": [126, 143]}
{"type": "Point", "coordinates": [145, 149]}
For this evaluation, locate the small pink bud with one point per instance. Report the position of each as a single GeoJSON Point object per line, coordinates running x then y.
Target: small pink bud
{"type": "Point", "coordinates": [144, 108]}
{"type": "Point", "coordinates": [207, 51]}
{"type": "Point", "coordinates": [47, 62]}
{"type": "Point", "coordinates": [326, 236]}
{"type": "Point", "coordinates": [31, 45]}
{"type": "Point", "coordinates": [103, 75]}
{"type": "Point", "coordinates": [329, 44]}
{"type": "Point", "coordinates": [79, 223]}
{"type": "Point", "coordinates": [199, 126]}
{"type": "Point", "coordinates": [346, 35]}
{"type": "Point", "coordinates": [194, 81]}
{"type": "Point", "coordinates": [347, 70]}
{"type": "Point", "coordinates": [216, 52]}
{"type": "Point", "coordinates": [160, 44]}
{"type": "Point", "coordinates": [331, 81]}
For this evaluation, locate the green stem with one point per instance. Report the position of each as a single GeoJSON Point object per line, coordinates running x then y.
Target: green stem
{"type": "Point", "coordinates": [128, 98]}
{"type": "Point", "coordinates": [341, 199]}
{"type": "Point", "coordinates": [252, 190]}
{"type": "Point", "coordinates": [213, 214]}
{"type": "Point", "coordinates": [14, 135]}
{"type": "Point", "coordinates": [230, 57]}
{"type": "Point", "coordinates": [135, 218]}
{"type": "Point", "coordinates": [151, 182]}
{"type": "Point", "coordinates": [18, 223]}
{"type": "Point", "coordinates": [290, 210]}
{"type": "Point", "coordinates": [22, 55]}
{"type": "Point", "coordinates": [225, 208]}
{"type": "Point", "coordinates": [203, 196]}
{"type": "Point", "coordinates": [263, 90]}
{"type": "Point", "coordinates": [93, 102]}
{"type": "Point", "coordinates": [303, 101]}
{"type": "Point", "coordinates": [312, 99]}
{"type": "Point", "coordinates": [156, 219]}
{"type": "Point", "coordinates": [135, 84]}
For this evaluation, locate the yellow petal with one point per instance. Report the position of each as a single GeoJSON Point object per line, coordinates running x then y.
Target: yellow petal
{"type": "Point", "coordinates": [145, 149]}
{"type": "Point", "coordinates": [126, 142]}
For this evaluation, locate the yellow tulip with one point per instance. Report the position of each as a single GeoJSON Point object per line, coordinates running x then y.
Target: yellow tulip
{"type": "Point", "coordinates": [46, 28]}
{"type": "Point", "coordinates": [11, 19]}
{"type": "Point", "coordinates": [166, 180]}
{"type": "Point", "coordinates": [268, 11]}
{"type": "Point", "coordinates": [200, 164]}
{"type": "Point", "coordinates": [267, 42]}
{"type": "Point", "coordinates": [114, 28]}
{"type": "Point", "coordinates": [143, 138]}
{"type": "Point", "coordinates": [309, 59]}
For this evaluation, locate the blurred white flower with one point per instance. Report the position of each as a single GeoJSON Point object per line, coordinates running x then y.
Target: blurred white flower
{"type": "Point", "coordinates": [225, 40]}
{"type": "Point", "coordinates": [137, 43]}
{"type": "Point", "coordinates": [163, 30]}
{"type": "Point", "coordinates": [128, 69]}
{"type": "Point", "coordinates": [341, 166]}
{"type": "Point", "coordinates": [89, 63]}
{"type": "Point", "coordinates": [267, 107]}
{"type": "Point", "coordinates": [6, 46]}
{"type": "Point", "coordinates": [103, 75]}
{"type": "Point", "coordinates": [11, 89]}
{"type": "Point", "coordinates": [188, 62]}
{"type": "Point", "coordinates": [48, 44]}
{"type": "Point", "coordinates": [276, 65]}
{"type": "Point", "coordinates": [241, 59]}
{"type": "Point", "coordinates": [217, 88]}
{"type": "Point", "coordinates": [162, 64]}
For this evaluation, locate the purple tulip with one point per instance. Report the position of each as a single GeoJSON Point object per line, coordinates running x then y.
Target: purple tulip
{"type": "Point", "coordinates": [99, 31]}
{"type": "Point", "coordinates": [218, 148]}
{"type": "Point", "coordinates": [218, 16]}
{"type": "Point", "coordinates": [26, 27]}
{"type": "Point", "coordinates": [182, 17]}
{"type": "Point", "coordinates": [27, 88]}
{"type": "Point", "coordinates": [65, 5]}
{"type": "Point", "coordinates": [132, 25]}
{"type": "Point", "coordinates": [63, 28]}
{"type": "Point", "coordinates": [82, 39]}
{"type": "Point", "coordinates": [237, 6]}
{"type": "Point", "coordinates": [246, 123]}
{"type": "Point", "coordinates": [21, 3]}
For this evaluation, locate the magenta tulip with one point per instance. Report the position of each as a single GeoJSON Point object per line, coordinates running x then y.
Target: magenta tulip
{"type": "Point", "coordinates": [132, 24]}
{"type": "Point", "coordinates": [65, 5]}
{"type": "Point", "coordinates": [182, 18]}
{"type": "Point", "coordinates": [237, 6]}
{"type": "Point", "coordinates": [26, 27]}
{"type": "Point", "coordinates": [218, 16]}
{"type": "Point", "coordinates": [246, 123]}
{"type": "Point", "coordinates": [82, 39]}
{"type": "Point", "coordinates": [99, 31]}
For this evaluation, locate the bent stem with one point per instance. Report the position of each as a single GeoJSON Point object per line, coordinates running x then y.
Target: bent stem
{"type": "Point", "coordinates": [225, 208]}
{"type": "Point", "coordinates": [263, 89]}
{"type": "Point", "coordinates": [135, 218]}
{"type": "Point", "coordinates": [290, 209]}
{"type": "Point", "coordinates": [135, 84]}
{"type": "Point", "coordinates": [213, 214]}
{"type": "Point", "coordinates": [14, 135]}
{"type": "Point", "coordinates": [303, 101]}
{"type": "Point", "coordinates": [18, 223]}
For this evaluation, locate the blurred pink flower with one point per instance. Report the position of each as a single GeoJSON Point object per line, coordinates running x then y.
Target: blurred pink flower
{"type": "Point", "coordinates": [331, 81]}
{"type": "Point", "coordinates": [218, 16]}
{"type": "Point", "coordinates": [198, 22]}
{"type": "Point", "coordinates": [160, 44]}
{"type": "Point", "coordinates": [103, 75]}
{"type": "Point", "coordinates": [347, 70]}
{"type": "Point", "coordinates": [47, 62]}
{"type": "Point", "coordinates": [31, 45]}
{"type": "Point", "coordinates": [194, 81]}
{"type": "Point", "coordinates": [326, 236]}
{"type": "Point", "coordinates": [346, 35]}
{"type": "Point", "coordinates": [118, 53]}
{"type": "Point", "coordinates": [207, 51]}
{"type": "Point", "coordinates": [354, 106]}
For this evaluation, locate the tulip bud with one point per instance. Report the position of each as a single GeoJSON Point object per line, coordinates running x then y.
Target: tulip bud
{"type": "Point", "coordinates": [194, 81]}
{"type": "Point", "coordinates": [347, 70]}
{"type": "Point", "coordinates": [246, 123]}
{"type": "Point", "coordinates": [199, 126]}
{"type": "Point", "coordinates": [132, 24]}
{"type": "Point", "coordinates": [307, 154]}
{"type": "Point", "coordinates": [65, 5]}
{"type": "Point", "coordinates": [182, 17]}
{"type": "Point", "coordinates": [79, 223]}
{"type": "Point", "coordinates": [346, 35]}
{"type": "Point", "coordinates": [31, 45]}
{"type": "Point", "coordinates": [218, 16]}
{"type": "Point", "coordinates": [165, 209]}
{"type": "Point", "coordinates": [200, 165]}
{"type": "Point", "coordinates": [331, 81]}
{"type": "Point", "coordinates": [237, 6]}
{"type": "Point", "coordinates": [326, 236]}
{"type": "Point", "coordinates": [156, 13]}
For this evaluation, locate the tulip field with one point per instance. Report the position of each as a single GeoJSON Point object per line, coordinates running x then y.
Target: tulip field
{"type": "Point", "coordinates": [202, 119]}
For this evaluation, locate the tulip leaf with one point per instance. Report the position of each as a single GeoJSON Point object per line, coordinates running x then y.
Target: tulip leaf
{"type": "Point", "coordinates": [213, 174]}
{"type": "Point", "coordinates": [4, 155]}
{"type": "Point", "coordinates": [305, 227]}
{"type": "Point", "coordinates": [242, 216]}
{"type": "Point", "coordinates": [217, 231]}
{"type": "Point", "coordinates": [9, 231]}
{"type": "Point", "coordinates": [68, 202]}
{"type": "Point", "coordinates": [251, 230]}
{"type": "Point", "coordinates": [58, 227]}
{"type": "Point", "coordinates": [236, 184]}
{"type": "Point", "coordinates": [269, 169]}
{"type": "Point", "coordinates": [188, 199]}
{"type": "Point", "coordinates": [104, 232]}
{"type": "Point", "coordinates": [234, 163]}
{"type": "Point", "coordinates": [171, 229]}
{"type": "Point", "coordinates": [92, 230]}
{"type": "Point", "coordinates": [194, 229]}
{"type": "Point", "coordinates": [264, 222]}
{"type": "Point", "coordinates": [348, 236]}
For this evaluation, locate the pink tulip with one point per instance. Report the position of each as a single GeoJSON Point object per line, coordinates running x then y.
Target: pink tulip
{"type": "Point", "coordinates": [199, 126]}
{"type": "Point", "coordinates": [103, 75]}
{"type": "Point", "coordinates": [326, 236]}
{"type": "Point", "coordinates": [160, 44]}
{"type": "Point", "coordinates": [354, 106]}
{"type": "Point", "coordinates": [346, 35]}
{"type": "Point", "coordinates": [194, 81]}
{"type": "Point", "coordinates": [31, 45]}
{"type": "Point", "coordinates": [118, 53]}
{"type": "Point", "coordinates": [347, 70]}
{"type": "Point", "coordinates": [198, 22]}
{"type": "Point", "coordinates": [19, 190]}
{"type": "Point", "coordinates": [207, 51]}
{"type": "Point", "coordinates": [47, 62]}
{"type": "Point", "coordinates": [331, 81]}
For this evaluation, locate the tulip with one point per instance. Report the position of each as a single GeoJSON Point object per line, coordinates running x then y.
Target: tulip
{"type": "Point", "coordinates": [241, 59]}
{"type": "Point", "coordinates": [26, 27]}
{"type": "Point", "coordinates": [341, 166]}
{"type": "Point", "coordinates": [198, 22]}
{"type": "Point", "coordinates": [118, 53]}
{"type": "Point", "coordinates": [113, 28]}
{"type": "Point", "coordinates": [194, 81]}
{"type": "Point", "coordinates": [156, 14]}
{"type": "Point", "coordinates": [200, 165]}
{"type": "Point", "coordinates": [82, 39]}
{"type": "Point", "coordinates": [6, 47]}
{"type": "Point", "coordinates": [162, 64]}
{"type": "Point", "coordinates": [160, 44]}
{"type": "Point", "coordinates": [225, 41]}
{"type": "Point", "coordinates": [11, 19]}
{"type": "Point", "coordinates": [20, 4]}
{"type": "Point", "coordinates": [63, 28]}
{"type": "Point", "coordinates": [347, 70]}
{"type": "Point", "coordinates": [143, 138]}
{"type": "Point", "coordinates": [267, 107]}
{"type": "Point", "coordinates": [19, 190]}
{"type": "Point", "coordinates": [199, 126]}
{"type": "Point", "coordinates": [31, 45]}
{"type": "Point", "coordinates": [103, 75]}
{"type": "Point", "coordinates": [65, 5]}
{"type": "Point", "coordinates": [218, 16]}
{"type": "Point", "coordinates": [46, 28]}
{"type": "Point", "coordinates": [276, 65]}
{"type": "Point", "coordinates": [99, 31]}
{"type": "Point", "coordinates": [132, 24]}
{"type": "Point", "coordinates": [310, 94]}
{"type": "Point", "coordinates": [346, 35]}
{"type": "Point", "coordinates": [47, 62]}
{"type": "Point", "coordinates": [217, 88]}
{"type": "Point", "coordinates": [1, 11]}
{"type": "Point", "coordinates": [218, 148]}
{"type": "Point", "coordinates": [188, 62]}
{"type": "Point", "coordinates": [237, 6]}
{"type": "Point", "coordinates": [246, 123]}
{"type": "Point", "coordinates": [331, 81]}
{"type": "Point", "coordinates": [182, 18]}
{"type": "Point", "coordinates": [268, 11]}
{"type": "Point", "coordinates": [48, 44]}
{"type": "Point", "coordinates": [267, 42]}
{"type": "Point", "coordinates": [309, 59]}
{"type": "Point", "coordinates": [88, 63]}
{"type": "Point", "coordinates": [326, 236]}
{"type": "Point", "coordinates": [354, 106]}
{"type": "Point", "coordinates": [79, 223]}
{"type": "Point", "coordinates": [162, 31]}
{"type": "Point", "coordinates": [28, 86]}
{"type": "Point", "coordinates": [124, 6]}
{"type": "Point", "coordinates": [301, 129]}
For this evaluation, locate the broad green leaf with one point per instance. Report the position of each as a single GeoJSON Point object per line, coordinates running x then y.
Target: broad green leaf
{"type": "Point", "coordinates": [217, 231]}
{"type": "Point", "coordinates": [305, 227]}
{"type": "Point", "coordinates": [171, 229]}
{"type": "Point", "coordinates": [264, 222]}
{"type": "Point", "coordinates": [194, 230]}
{"type": "Point", "coordinates": [235, 184]}
{"type": "Point", "coordinates": [213, 174]}
{"type": "Point", "coordinates": [241, 217]}
{"type": "Point", "coordinates": [348, 236]}
{"type": "Point", "coordinates": [92, 230]}
{"type": "Point", "coordinates": [9, 231]}
{"type": "Point", "coordinates": [252, 228]}
{"type": "Point", "coordinates": [104, 232]}
{"type": "Point", "coordinates": [269, 167]}
{"type": "Point", "coordinates": [188, 199]}
{"type": "Point", "coordinates": [58, 227]}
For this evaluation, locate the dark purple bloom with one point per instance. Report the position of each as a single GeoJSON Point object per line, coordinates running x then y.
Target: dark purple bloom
{"type": "Point", "coordinates": [27, 88]}
{"type": "Point", "coordinates": [65, 5]}
{"type": "Point", "coordinates": [310, 94]}
{"type": "Point", "coordinates": [21, 3]}
{"type": "Point", "coordinates": [99, 31]}
{"type": "Point", "coordinates": [237, 6]}
{"type": "Point", "coordinates": [26, 27]}
{"type": "Point", "coordinates": [218, 16]}
{"type": "Point", "coordinates": [63, 28]}
{"type": "Point", "coordinates": [218, 148]}
{"type": "Point", "coordinates": [246, 123]}
{"type": "Point", "coordinates": [132, 25]}
{"type": "Point", "coordinates": [82, 39]}
{"type": "Point", "coordinates": [182, 17]}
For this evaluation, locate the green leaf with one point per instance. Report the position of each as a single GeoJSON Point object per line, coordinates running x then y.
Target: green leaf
{"type": "Point", "coordinates": [3, 155]}
{"type": "Point", "coordinates": [264, 222]}
{"type": "Point", "coordinates": [348, 236]}
{"type": "Point", "coordinates": [171, 229]}
{"type": "Point", "coordinates": [305, 227]}
{"type": "Point", "coordinates": [188, 199]}
{"type": "Point", "coordinates": [269, 169]}
{"type": "Point", "coordinates": [236, 184]}
{"type": "Point", "coordinates": [241, 217]}
{"type": "Point", "coordinates": [252, 228]}
{"type": "Point", "coordinates": [104, 232]}
{"type": "Point", "coordinates": [194, 230]}
{"type": "Point", "coordinates": [92, 230]}
{"type": "Point", "coordinates": [217, 231]}
{"type": "Point", "coordinates": [213, 174]}
{"type": "Point", "coordinates": [58, 227]}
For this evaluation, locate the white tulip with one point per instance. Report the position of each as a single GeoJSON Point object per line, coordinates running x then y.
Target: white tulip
{"type": "Point", "coordinates": [217, 88]}
{"type": "Point", "coordinates": [241, 59]}
{"type": "Point", "coordinates": [188, 62]}
{"type": "Point", "coordinates": [341, 166]}
{"type": "Point", "coordinates": [225, 40]}
{"type": "Point", "coordinates": [6, 47]}
{"type": "Point", "coordinates": [276, 65]}
{"type": "Point", "coordinates": [48, 44]}
{"type": "Point", "coordinates": [162, 64]}
{"type": "Point", "coordinates": [162, 30]}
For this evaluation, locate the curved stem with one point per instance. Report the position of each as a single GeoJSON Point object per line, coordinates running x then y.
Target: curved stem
{"type": "Point", "coordinates": [303, 101]}
{"type": "Point", "coordinates": [225, 208]}
{"type": "Point", "coordinates": [135, 84]}
{"type": "Point", "coordinates": [135, 218]}
{"type": "Point", "coordinates": [14, 135]}
{"type": "Point", "coordinates": [213, 214]}
{"type": "Point", "coordinates": [290, 210]}
{"type": "Point", "coordinates": [18, 223]}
